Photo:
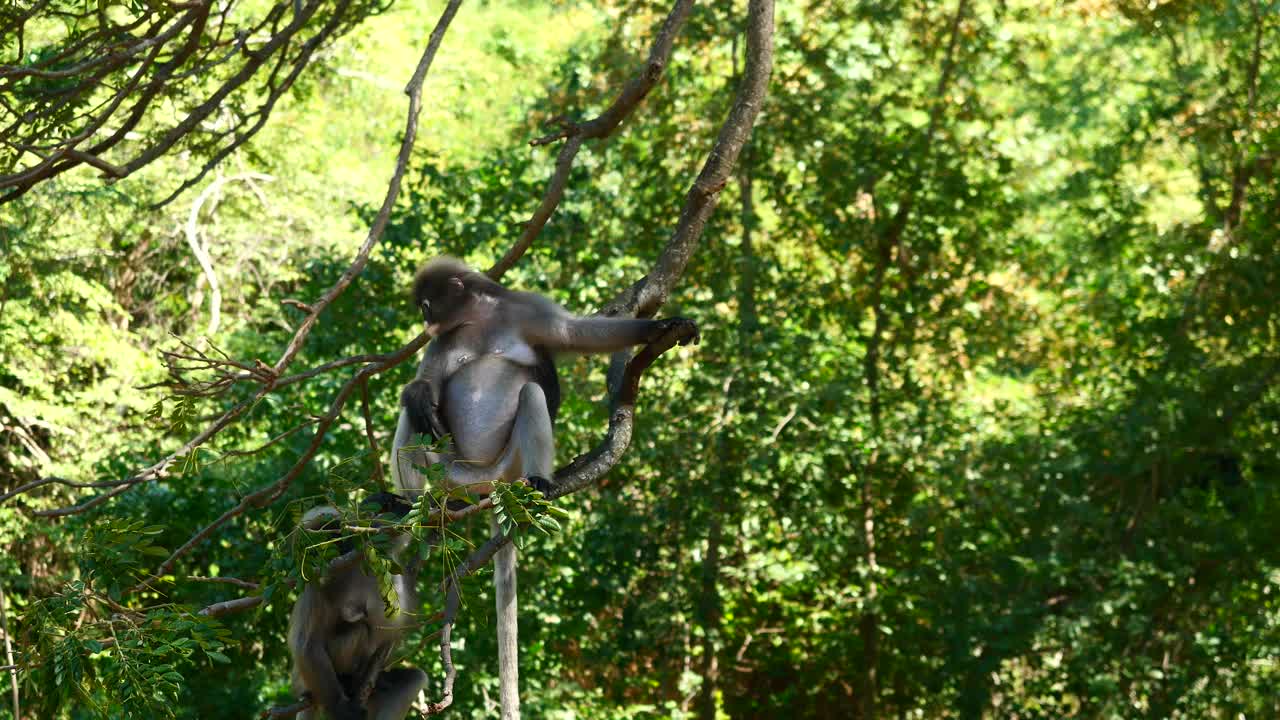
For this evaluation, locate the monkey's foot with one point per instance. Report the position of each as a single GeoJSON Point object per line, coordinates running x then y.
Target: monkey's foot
{"type": "Point", "coordinates": [541, 484]}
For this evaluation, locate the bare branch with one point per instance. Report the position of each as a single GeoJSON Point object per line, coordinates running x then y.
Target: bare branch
{"type": "Point", "coordinates": [264, 446]}
{"type": "Point", "coordinates": [550, 200]}
{"type": "Point", "coordinates": [599, 127]}
{"type": "Point", "coordinates": [267, 494]}
{"type": "Point", "coordinates": [453, 597]}
{"type": "Point", "coordinates": [414, 91]}
{"type": "Point", "coordinates": [232, 606]}
{"type": "Point", "coordinates": [648, 294]}
{"type": "Point", "coordinates": [158, 53]}
{"type": "Point", "coordinates": [156, 471]}
{"type": "Point", "coordinates": [225, 581]}
{"type": "Point", "coordinates": [375, 365]}
{"type": "Point", "coordinates": [587, 469]}
{"type": "Point", "coordinates": [8, 655]}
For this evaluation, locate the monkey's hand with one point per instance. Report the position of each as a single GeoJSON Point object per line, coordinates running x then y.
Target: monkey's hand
{"type": "Point", "coordinates": [686, 329]}
{"type": "Point", "coordinates": [419, 399]}
{"type": "Point", "coordinates": [349, 709]}
{"type": "Point", "coordinates": [541, 484]}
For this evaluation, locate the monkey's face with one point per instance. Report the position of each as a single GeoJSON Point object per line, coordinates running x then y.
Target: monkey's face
{"type": "Point", "coordinates": [442, 304]}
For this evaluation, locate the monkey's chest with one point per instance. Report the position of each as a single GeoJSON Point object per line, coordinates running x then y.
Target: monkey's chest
{"type": "Point", "coordinates": [351, 646]}
{"type": "Point", "coordinates": [480, 403]}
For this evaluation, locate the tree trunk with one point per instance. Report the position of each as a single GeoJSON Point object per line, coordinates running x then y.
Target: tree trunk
{"type": "Point", "coordinates": [8, 656]}
{"type": "Point", "coordinates": [504, 584]}
{"type": "Point", "coordinates": [710, 611]}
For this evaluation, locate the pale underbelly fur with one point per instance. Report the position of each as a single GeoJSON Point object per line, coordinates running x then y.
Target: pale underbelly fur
{"type": "Point", "coordinates": [481, 400]}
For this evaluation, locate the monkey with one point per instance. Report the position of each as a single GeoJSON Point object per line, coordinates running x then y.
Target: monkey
{"type": "Point", "coordinates": [488, 380]}
{"type": "Point", "coordinates": [340, 636]}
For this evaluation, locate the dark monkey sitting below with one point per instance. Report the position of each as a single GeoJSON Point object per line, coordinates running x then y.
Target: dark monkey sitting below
{"type": "Point", "coordinates": [341, 638]}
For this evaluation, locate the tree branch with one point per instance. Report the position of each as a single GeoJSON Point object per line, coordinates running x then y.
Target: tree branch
{"type": "Point", "coordinates": [375, 365]}
{"type": "Point", "coordinates": [129, 68]}
{"type": "Point", "coordinates": [267, 494]}
{"type": "Point", "coordinates": [648, 294]}
{"type": "Point", "coordinates": [600, 127]}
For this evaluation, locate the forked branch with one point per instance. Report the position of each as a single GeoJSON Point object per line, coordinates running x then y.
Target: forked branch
{"type": "Point", "coordinates": [597, 128]}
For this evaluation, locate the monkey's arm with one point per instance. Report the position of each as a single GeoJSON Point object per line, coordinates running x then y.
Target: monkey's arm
{"type": "Point", "coordinates": [421, 401]}
{"type": "Point", "coordinates": [367, 678]}
{"type": "Point", "coordinates": [421, 398]}
{"type": "Point", "coordinates": [321, 680]}
{"type": "Point", "coordinates": [544, 323]}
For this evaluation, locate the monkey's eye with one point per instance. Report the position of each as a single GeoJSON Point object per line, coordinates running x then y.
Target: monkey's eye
{"type": "Point", "coordinates": [426, 311]}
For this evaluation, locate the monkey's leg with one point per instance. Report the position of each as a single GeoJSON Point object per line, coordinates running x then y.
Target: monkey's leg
{"type": "Point", "coordinates": [532, 437]}
{"type": "Point", "coordinates": [397, 689]}
{"type": "Point", "coordinates": [477, 478]}
{"type": "Point", "coordinates": [405, 455]}
{"type": "Point", "coordinates": [530, 450]}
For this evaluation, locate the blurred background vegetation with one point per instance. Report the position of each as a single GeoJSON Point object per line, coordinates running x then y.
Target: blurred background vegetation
{"type": "Point", "coordinates": [984, 421]}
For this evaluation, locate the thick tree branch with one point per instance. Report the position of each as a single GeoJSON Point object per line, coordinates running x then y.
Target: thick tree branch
{"type": "Point", "coordinates": [587, 469]}
{"type": "Point", "coordinates": [646, 296]}
{"type": "Point", "coordinates": [649, 293]}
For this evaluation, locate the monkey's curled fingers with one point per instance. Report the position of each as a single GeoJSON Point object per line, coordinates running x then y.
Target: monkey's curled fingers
{"type": "Point", "coordinates": [541, 484]}
{"type": "Point", "coordinates": [350, 709]}
{"type": "Point", "coordinates": [686, 329]}
{"type": "Point", "coordinates": [419, 399]}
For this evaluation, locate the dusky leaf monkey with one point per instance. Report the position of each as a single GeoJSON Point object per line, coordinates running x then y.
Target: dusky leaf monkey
{"type": "Point", "coordinates": [340, 636]}
{"type": "Point", "coordinates": [488, 380]}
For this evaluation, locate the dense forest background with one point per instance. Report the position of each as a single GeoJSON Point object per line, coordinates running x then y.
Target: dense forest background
{"type": "Point", "coordinates": [984, 421]}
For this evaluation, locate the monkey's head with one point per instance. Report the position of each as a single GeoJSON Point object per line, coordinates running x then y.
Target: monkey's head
{"type": "Point", "coordinates": [444, 290]}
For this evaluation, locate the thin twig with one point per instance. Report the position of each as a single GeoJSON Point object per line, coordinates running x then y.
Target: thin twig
{"type": "Point", "coordinates": [374, 452]}
{"type": "Point", "coordinates": [225, 581]}
{"type": "Point", "coordinates": [267, 494]}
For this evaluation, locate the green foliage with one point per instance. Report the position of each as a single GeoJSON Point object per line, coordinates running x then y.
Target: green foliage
{"type": "Point", "coordinates": [142, 660]}
{"type": "Point", "coordinates": [520, 509]}
{"type": "Point", "coordinates": [1014, 305]}
{"type": "Point", "coordinates": [118, 553]}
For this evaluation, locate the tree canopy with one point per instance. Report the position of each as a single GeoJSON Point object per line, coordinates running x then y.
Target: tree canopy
{"type": "Point", "coordinates": [984, 420]}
